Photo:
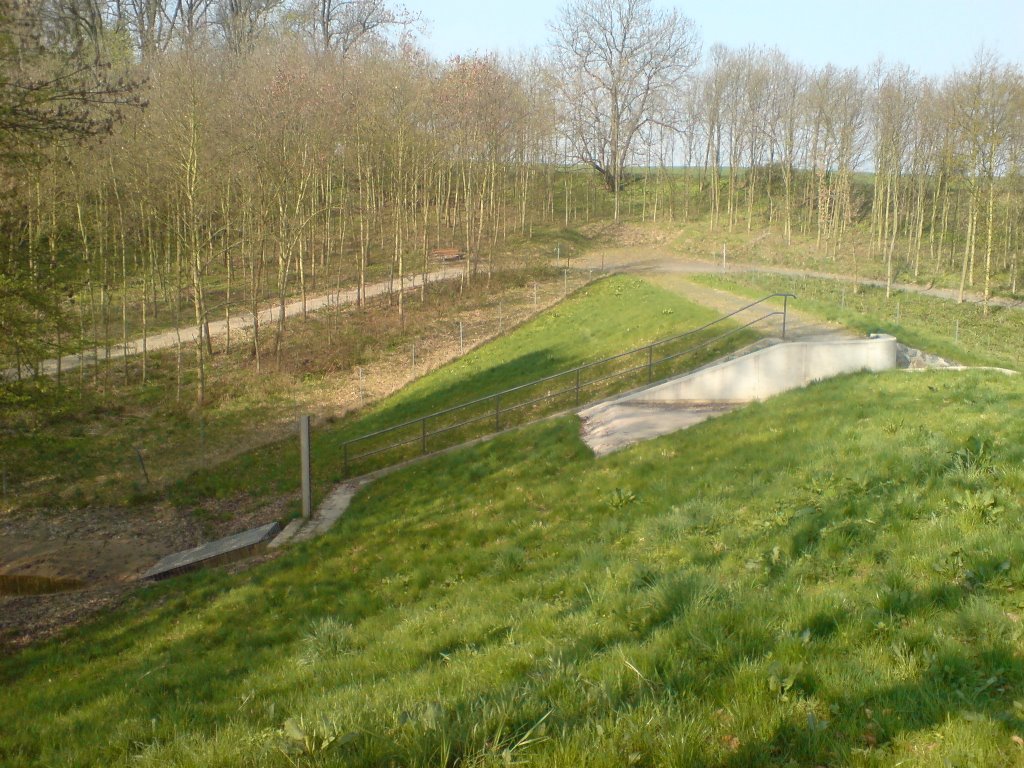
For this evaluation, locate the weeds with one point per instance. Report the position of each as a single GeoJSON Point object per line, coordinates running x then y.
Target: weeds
{"type": "Point", "coordinates": [299, 738]}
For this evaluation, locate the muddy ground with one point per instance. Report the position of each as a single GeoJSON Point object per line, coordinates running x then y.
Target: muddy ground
{"type": "Point", "coordinates": [103, 550]}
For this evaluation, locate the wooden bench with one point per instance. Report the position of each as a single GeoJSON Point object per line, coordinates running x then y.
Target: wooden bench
{"type": "Point", "coordinates": [448, 254]}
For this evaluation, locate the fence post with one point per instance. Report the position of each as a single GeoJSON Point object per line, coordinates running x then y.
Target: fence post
{"type": "Point", "coordinates": [138, 453]}
{"type": "Point", "coordinates": [785, 314]}
{"type": "Point", "coordinates": [577, 387]}
{"type": "Point", "coordinates": [307, 497]}
{"type": "Point", "coordinates": [650, 363]}
{"type": "Point", "coordinates": [423, 431]}
{"type": "Point", "coordinates": [497, 413]}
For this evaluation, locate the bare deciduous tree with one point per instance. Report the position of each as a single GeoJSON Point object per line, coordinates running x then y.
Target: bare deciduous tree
{"type": "Point", "coordinates": [621, 64]}
{"type": "Point", "coordinates": [338, 26]}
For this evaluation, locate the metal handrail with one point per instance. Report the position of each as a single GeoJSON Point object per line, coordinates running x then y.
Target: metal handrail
{"type": "Point", "coordinates": [580, 384]}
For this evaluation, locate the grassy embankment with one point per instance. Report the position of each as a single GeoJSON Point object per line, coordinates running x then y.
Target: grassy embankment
{"type": "Point", "coordinates": [831, 577]}
{"type": "Point", "coordinates": [603, 319]}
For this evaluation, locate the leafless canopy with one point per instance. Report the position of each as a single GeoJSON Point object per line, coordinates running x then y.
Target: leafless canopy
{"type": "Point", "coordinates": [621, 65]}
{"type": "Point", "coordinates": [50, 87]}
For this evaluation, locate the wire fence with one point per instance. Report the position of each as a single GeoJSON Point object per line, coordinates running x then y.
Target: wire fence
{"type": "Point", "coordinates": [558, 392]}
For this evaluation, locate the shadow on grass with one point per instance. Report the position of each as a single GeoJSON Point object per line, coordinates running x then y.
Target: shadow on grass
{"type": "Point", "coordinates": [272, 469]}
{"type": "Point", "coordinates": [974, 687]}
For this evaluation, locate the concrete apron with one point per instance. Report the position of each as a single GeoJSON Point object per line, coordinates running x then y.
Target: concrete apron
{"type": "Point", "coordinates": [719, 388]}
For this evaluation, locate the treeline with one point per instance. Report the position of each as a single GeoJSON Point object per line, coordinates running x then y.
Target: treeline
{"type": "Point", "coordinates": [268, 169]}
{"type": "Point", "coordinates": [930, 167]}
{"type": "Point", "coordinates": [169, 161]}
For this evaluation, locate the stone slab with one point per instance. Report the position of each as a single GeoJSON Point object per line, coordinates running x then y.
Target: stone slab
{"type": "Point", "coordinates": [773, 370]}
{"type": "Point", "coordinates": [221, 550]}
{"type": "Point", "coordinates": [611, 427]}
{"type": "Point", "coordinates": [288, 533]}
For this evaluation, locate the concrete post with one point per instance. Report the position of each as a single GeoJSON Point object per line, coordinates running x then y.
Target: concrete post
{"type": "Point", "coordinates": [307, 490]}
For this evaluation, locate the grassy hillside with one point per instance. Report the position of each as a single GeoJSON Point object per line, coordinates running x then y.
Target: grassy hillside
{"type": "Point", "coordinates": [795, 583]}
{"type": "Point", "coordinates": [834, 577]}
{"type": "Point", "coordinates": [600, 320]}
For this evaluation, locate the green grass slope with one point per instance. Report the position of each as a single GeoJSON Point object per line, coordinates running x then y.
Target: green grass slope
{"type": "Point", "coordinates": [834, 577]}
{"type": "Point", "coordinates": [603, 319]}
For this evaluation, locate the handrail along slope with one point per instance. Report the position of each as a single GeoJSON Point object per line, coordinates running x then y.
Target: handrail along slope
{"type": "Point", "coordinates": [465, 416]}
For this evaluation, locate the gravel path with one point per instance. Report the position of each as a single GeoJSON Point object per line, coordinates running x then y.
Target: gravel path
{"type": "Point", "coordinates": [241, 321]}
{"type": "Point", "coordinates": [644, 259]}
{"type": "Point", "coordinates": [660, 260]}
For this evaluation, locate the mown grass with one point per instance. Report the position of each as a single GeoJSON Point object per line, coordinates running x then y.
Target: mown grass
{"type": "Point", "coordinates": [834, 577]}
{"type": "Point", "coordinates": [960, 332]}
{"type": "Point", "coordinates": [602, 319]}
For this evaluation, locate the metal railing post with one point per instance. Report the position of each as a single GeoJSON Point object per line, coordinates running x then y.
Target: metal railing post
{"type": "Point", "coordinates": [307, 483]}
{"type": "Point", "coordinates": [423, 431]}
{"type": "Point", "coordinates": [650, 363]}
{"type": "Point", "coordinates": [577, 387]}
{"type": "Point", "coordinates": [785, 314]}
{"type": "Point", "coordinates": [497, 413]}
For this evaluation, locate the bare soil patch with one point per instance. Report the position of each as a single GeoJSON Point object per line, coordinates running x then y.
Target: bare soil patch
{"type": "Point", "coordinates": [105, 549]}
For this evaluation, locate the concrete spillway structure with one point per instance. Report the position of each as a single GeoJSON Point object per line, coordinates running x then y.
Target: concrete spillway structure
{"type": "Point", "coordinates": [772, 370]}
{"type": "Point", "coordinates": [718, 388]}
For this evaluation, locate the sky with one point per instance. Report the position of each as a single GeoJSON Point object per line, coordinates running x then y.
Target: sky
{"type": "Point", "coordinates": [933, 37]}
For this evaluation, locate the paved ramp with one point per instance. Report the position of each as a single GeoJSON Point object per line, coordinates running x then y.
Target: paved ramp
{"type": "Point", "coordinates": [694, 397]}
{"type": "Point", "coordinates": [609, 427]}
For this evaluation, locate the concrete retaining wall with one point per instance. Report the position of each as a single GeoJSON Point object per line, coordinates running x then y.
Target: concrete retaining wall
{"type": "Point", "coordinates": [778, 368]}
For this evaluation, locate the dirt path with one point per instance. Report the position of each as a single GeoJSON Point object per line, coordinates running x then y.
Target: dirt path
{"type": "Point", "coordinates": [240, 322]}
{"type": "Point", "coordinates": [671, 272]}
{"type": "Point", "coordinates": [799, 324]}
{"type": "Point", "coordinates": [640, 259]}
{"type": "Point", "coordinates": [650, 260]}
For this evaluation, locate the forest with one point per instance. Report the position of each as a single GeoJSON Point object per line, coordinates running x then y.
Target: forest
{"type": "Point", "coordinates": [167, 163]}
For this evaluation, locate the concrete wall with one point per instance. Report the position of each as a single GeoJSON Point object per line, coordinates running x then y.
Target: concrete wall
{"type": "Point", "coordinates": [778, 368]}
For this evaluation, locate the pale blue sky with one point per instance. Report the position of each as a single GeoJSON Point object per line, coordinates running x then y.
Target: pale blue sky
{"type": "Point", "coordinates": [933, 37]}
